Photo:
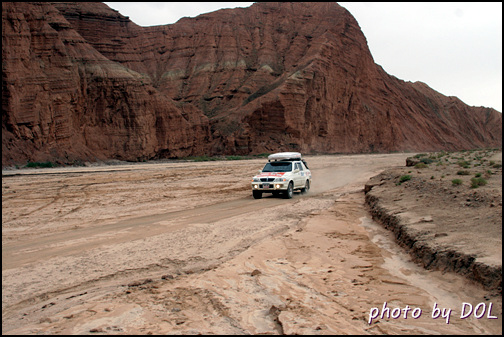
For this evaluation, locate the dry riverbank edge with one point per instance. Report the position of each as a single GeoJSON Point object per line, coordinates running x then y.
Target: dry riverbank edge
{"type": "Point", "coordinates": [445, 209]}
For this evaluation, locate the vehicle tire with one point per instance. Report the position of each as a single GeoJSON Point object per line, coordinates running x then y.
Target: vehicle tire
{"type": "Point", "coordinates": [290, 191]}
{"type": "Point", "coordinates": [306, 188]}
{"type": "Point", "coordinates": [257, 194]}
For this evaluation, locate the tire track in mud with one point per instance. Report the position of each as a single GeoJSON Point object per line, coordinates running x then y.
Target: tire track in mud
{"type": "Point", "coordinates": [114, 280]}
{"type": "Point", "coordinates": [28, 213]}
{"type": "Point", "coordinates": [77, 240]}
{"type": "Point", "coordinates": [60, 194]}
{"type": "Point", "coordinates": [139, 233]}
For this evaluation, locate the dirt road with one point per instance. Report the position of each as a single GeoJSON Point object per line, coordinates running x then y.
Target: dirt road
{"type": "Point", "coordinates": [183, 248]}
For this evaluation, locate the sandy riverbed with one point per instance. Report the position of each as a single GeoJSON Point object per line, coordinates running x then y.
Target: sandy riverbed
{"type": "Point", "coordinates": [183, 248]}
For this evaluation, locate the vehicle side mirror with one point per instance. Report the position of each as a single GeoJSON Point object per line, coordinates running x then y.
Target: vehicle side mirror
{"type": "Point", "coordinates": [296, 171]}
{"type": "Point", "coordinates": [260, 171]}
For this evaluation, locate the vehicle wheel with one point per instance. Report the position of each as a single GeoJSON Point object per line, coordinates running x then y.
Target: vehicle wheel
{"type": "Point", "coordinates": [290, 191]}
{"type": "Point", "coordinates": [257, 194]}
{"type": "Point", "coordinates": [306, 188]}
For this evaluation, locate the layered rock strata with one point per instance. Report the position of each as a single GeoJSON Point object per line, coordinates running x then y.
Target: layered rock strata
{"type": "Point", "coordinates": [62, 100]}
{"type": "Point", "coordinates": [83, 82]}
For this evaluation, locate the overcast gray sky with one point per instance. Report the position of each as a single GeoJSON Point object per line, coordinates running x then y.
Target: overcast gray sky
{"type": "Point", "coordinates": [454, 47]}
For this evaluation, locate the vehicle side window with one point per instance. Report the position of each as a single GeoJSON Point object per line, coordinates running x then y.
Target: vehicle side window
{"type": "Point", "coordinates": [300, 167]}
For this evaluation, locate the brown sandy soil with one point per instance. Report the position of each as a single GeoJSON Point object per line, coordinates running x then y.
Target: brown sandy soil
{"type": "Point", "coordinates": [183, 248]}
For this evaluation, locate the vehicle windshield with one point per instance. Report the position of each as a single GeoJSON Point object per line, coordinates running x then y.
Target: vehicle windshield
{"type": "Point", "coordinates": [278, 166]}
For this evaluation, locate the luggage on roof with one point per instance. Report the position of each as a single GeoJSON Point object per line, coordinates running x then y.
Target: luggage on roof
{"type": "Point", "coordinates": [285, 156]}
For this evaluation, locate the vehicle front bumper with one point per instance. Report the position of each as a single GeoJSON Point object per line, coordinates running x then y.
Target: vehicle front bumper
{"type": "Point", "coordinates": [269, 187]}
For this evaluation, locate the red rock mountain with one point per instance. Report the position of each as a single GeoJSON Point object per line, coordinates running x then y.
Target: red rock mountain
{"type": "Point", "coordinates": [81, 82]}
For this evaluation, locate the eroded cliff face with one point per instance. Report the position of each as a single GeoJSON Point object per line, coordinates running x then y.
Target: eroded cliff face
{"type": "Point", "coordinates": [83, 82]}
{"type": "Point", "coordinates": [64, 101]}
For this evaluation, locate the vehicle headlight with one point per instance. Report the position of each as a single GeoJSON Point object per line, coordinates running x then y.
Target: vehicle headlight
{"type": "Point", "coordinates": [279, 179]}
{"type": "Point", "coordinates": [255, 180]}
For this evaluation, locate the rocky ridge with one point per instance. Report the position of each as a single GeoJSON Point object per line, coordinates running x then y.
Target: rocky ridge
{"type": "Point", "coordinates": [81, 82]}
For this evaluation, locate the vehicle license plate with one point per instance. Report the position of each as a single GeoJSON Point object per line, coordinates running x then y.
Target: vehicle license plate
{"type": "Point", "coordinates": [266, 185]}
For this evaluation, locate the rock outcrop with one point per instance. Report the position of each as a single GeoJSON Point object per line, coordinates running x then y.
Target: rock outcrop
{"type": "Point", "coordinates": [82, 82]}
{"type": "Point", "coordinates": [62, 100]}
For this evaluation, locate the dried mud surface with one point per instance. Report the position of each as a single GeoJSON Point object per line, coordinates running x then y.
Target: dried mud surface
{"type": "Point", "coordinates": [183, 248]}
{"type": "Point", "coordinates": [443, 216]}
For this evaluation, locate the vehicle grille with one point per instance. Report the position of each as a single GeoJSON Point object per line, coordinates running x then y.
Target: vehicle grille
{"type": "Point", "coordinates": [267, 179]}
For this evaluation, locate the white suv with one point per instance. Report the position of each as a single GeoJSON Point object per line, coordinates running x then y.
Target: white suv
{"type": "Point", "coordinates": [284, 173]}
